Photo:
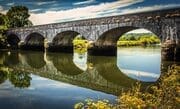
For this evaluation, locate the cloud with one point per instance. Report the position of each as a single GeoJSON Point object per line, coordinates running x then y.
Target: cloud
{"type": "Point", "coordinates": [35, 10]}
{"type": "Point", "coordinates": [93, 11]}
{"type": "Point", "coordinates": [79, 13]}
{"type": "Point", "coordinates": [149, 8]}
{"type": "Point", "coordinates": [39, 3]}
{"type": "Point", "coordinates": [10, 4]}
{"type": "Point", "coordinates": [44, 3]}
{"type": "Point", "coordinates": [2, 10]}
{"type": "Point", "coordinates": [84, 2]}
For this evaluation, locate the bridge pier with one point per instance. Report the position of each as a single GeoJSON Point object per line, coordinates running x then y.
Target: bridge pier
{"type": "Point", "coordinates": [170, 51]}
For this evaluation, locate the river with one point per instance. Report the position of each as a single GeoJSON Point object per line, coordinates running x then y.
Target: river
{"type": "Point", "coordinates": [43, 80]}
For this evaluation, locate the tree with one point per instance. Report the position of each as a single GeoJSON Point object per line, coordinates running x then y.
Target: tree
{"type": "Point", "coordinates": [4, 24]}
{"type": "Point", "coordinates": [18, 16]}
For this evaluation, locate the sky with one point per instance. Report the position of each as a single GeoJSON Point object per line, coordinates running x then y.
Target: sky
{"type": "Point", "coordinates": [55, 11]}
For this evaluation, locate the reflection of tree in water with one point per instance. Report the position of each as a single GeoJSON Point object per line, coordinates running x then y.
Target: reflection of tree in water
{"type": "Point", "coordinates": [20, 79]}
{"type": "Point", "coordinates": [2, 57]}
{"type": "Point", "coordinates": [64, 63]}
{"type": "Point", "coordinates": [35, 59]}
{"type": "Point", "coordinates": [17, 78]}
{"type": "Point", "coordinates": [3, 75]}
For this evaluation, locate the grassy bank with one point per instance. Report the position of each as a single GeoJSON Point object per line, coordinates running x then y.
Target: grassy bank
{"type": "Point", "coordinates": [144, 39]}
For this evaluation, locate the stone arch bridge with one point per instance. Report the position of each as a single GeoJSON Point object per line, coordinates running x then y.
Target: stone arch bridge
{"type": "Point", "coordinates": [104, 32]}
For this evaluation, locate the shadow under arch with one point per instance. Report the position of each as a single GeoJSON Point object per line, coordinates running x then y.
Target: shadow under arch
{"type": "Point", "coordinates": [106, 44]}
{"type": "Point", "coordinates": [13, 40]}
{"type": "Point", "coordinates": [63, 41]}
{"type": "Point", "coordinates": [34, 59]}
{"type": "Point", "coordinates": [34, 41]}
{"type": "Point", "coordinates": [64, 63]}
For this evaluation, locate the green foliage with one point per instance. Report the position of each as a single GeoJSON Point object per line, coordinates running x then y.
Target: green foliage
{"type": "Point", "coordinates": [90, 104]}
{"type": "Point", "coordinates": [80, 45]}
{"type": "Point", "coordinates": [3, 74]}
{"type": "Point", "coordinates": [18, 16]}
{"type": "Point", "coordinates": [163, 95]}
{"type": "Point", "coordinates": [138, 39]}
{"type": "Point", "coordinates": [3, 27]}
{"type": "Point", "coordinates": [18, 79]}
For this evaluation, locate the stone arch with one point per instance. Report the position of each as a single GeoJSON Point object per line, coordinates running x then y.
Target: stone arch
{"type": "Point", "coordinates": [156, 34]}
{"type": "Point", "coordinates": [106, 44]}
{"type": "Point", "coordinates": [34, 41]}
{"type": "Point", "coordinates": [63, 41]}
{"type": "Point", "coordinates": [110, 37]}
{"type": "Point", "coordinates": [13, 40]}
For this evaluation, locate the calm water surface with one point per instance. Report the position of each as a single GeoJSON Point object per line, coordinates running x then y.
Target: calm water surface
{"type": "Point", "coordinates": [37, 80]}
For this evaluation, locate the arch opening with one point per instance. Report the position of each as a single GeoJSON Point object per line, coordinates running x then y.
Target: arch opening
{"type": "Point", "coordinates": [13, 41]}
{"type": "Point", "coordinates": [106, 44]}
{"type": "Point", "coordinates": [34, 41]}
{"type": "Point", "coordinates": [139, 55]}
{"type": "Point", "coordinates": [63, 42]}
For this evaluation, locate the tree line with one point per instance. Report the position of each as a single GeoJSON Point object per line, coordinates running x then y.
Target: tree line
{"type": "Point", "coordinates": [138, 39]}
{"type": "Point", "coordinates": [17, 16]}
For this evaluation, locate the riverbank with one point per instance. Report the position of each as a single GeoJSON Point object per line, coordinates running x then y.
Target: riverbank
{"type": "Point", "coordinates": [145, 39]}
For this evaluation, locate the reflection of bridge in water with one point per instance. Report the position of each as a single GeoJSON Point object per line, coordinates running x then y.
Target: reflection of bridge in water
{"type": "Point", "coordinates": [101, 74]}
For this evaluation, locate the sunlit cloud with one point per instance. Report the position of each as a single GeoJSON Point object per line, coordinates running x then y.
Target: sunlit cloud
{"type": "Point", "coordinates": [84, 2]}
{"type": "Point", "coordinates": [79, 13]}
